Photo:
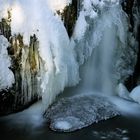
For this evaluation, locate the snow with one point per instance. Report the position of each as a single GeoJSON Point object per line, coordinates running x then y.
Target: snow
{"type": "Point", "coordinates": [99, 28]}
{"type": "Point", "coordinates": [100, 23]}
{"type": "Point", "coordinates": [18, 18]}
{"type": "Point", "coordinates": [4, 7]}
{"type": "Point", "coordinates": [59, 67]}
{"type": "Point", "coordinates": [81, 24]}
{"type": "Point", "coordinates": [135, 94]}
{"type": "Point", "coordinates": [89, 28]}
{"type": "Point", "coordinates": [80, 27]}
{"type": "Point", "coordinates": [73, 113]}
{"type": "Point", "coordinates": [21, 14]}
{"type": "Point", "coordinates": [123, 92]}
{"type": "Point", "coordinates": [107, 30]}
{"type": "Point", "coordinates": [58, 4]}
{"type": "Point", "coordinates": [64, 125]}
{"type": "Point", "coordinates": [6, 75]}
{"type": "Point", "coordinates": [125, 107]}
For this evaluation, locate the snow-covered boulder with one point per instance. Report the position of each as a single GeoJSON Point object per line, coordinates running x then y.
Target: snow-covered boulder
{"type": "Point", "coordinates": [123, 92]}
{"type": "Point", "coordinates": [135, 94]}
{"type": "Point", "coordinates": [73, 113]}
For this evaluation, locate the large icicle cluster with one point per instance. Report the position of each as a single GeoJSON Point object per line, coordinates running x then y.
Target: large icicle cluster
{"type": "Point", "coordinates": [59, 67]}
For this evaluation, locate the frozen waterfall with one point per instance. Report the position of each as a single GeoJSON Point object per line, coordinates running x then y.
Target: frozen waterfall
{"type": "Point", "coordinates": [106, 50]}
{"type": "Point", "coordinates": [100, 54]}
{"type": "Point", "coordinates": [106, 54]}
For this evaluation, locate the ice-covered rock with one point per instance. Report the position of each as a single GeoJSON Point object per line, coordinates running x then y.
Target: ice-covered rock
{"type": "Point", "coordinates": [73, 113]}
{"type": "Point", "coordinates": [135, 94]}
{"type": "Point", "coordinates": [123, 92]}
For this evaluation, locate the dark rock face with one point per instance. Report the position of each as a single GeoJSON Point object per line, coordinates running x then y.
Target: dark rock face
{"type": "Point", "coordinates": [73, 113]}
{"type": "Point", "coordinates": [129, 8]}
{"type": "Point", "coordinates": [6, 102]}
{"type": "Point", "coordinates": [69, 16]}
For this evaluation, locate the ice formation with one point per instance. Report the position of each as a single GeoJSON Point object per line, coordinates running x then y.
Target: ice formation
{"type": "Point", "coordinates": [123, 92]}
{"type": "Point", "coordinates": [59, 67]}
{"type": "Point", "coordinates": [104, 46]}
{"type": "Point", "coordinates": [101, 26]}
{"type": "Point", "coordinates": [6, 75]}
{"type": "Point", "coordinates": [101, 50]}
{"type": "Point", "coordinates": [135, 94]}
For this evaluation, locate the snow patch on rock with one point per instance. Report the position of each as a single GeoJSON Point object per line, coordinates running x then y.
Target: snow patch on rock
{"type": "Point", "coordinates": [135, 94]}
{"type": "Point", "coordinates": [73, 113]}
{"type": "Point", "coordinates": [123, 92]}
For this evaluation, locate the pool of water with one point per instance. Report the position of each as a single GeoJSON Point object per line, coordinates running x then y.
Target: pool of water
{"type": "Point", "coordinates": [30, 125]}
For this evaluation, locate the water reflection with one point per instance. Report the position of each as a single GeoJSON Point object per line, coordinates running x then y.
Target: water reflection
{"type": "Point", "coordinates": [119, 134]}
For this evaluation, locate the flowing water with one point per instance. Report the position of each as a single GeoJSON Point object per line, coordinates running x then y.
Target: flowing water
{"type": "Point", "coordinates": [30, 124]}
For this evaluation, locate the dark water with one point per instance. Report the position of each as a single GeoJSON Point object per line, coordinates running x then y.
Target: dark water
{"type": "Point", "coordinates": [29, 125]}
